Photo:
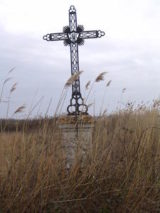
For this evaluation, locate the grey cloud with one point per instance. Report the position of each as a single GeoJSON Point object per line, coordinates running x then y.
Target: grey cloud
{"type": "Point", "coordinates": [45, 66]}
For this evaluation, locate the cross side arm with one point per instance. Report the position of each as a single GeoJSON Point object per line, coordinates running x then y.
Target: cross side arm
{"type": "Point", "coordinates": [55, 37]}
{"type": "Point", "coordinates": [91, 34]}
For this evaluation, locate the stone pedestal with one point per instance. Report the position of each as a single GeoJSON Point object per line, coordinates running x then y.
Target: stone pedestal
{"type": "Point", "coordinates": [76, 137]}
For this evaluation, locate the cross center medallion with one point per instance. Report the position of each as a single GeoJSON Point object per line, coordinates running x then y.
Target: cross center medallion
{"type": "Point", "coordinates": [73, 37]}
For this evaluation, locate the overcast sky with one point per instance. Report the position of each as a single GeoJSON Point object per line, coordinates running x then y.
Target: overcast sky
{"type": "Point", "coordinates": [129, 52]}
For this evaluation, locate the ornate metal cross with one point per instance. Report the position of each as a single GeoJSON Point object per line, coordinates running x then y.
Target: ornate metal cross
{"type": "Point", "coordinates": [73, 36]}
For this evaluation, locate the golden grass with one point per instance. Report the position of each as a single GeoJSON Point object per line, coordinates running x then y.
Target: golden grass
{"type": "Point", "coordinates": [121, 172]}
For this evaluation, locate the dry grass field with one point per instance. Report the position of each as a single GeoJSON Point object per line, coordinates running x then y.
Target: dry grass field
{"type": "Point", "coordinates": [121, 172]}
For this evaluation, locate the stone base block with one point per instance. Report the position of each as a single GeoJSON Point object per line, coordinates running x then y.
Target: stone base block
{"type": "Point", "coordinates": [76, 139]}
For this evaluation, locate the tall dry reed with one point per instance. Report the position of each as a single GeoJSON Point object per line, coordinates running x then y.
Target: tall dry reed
{"type": "Point", "coordinates": [121, 172]}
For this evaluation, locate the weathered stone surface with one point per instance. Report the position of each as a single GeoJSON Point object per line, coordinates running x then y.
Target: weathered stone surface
{"type": "Point", "coordinates": [76, 138]}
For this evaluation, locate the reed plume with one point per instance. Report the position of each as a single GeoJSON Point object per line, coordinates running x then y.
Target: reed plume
{"type": "Point", "coordinates": [123, 90]}
{"type": "Point", "coordinates": [11, 70]}
{"type": "Point", "coordinates": [108, 83]}
{"type": "Point", "coordinates": [20, 109]}
{"type": "Point", "coordinates": [100, 77]}
{"type": "Point", "coordinates": [72, 79]}
{"type": "Point", "coordinates": [87, 84]}
{"type": "Point", "coordinates": [13, 88]}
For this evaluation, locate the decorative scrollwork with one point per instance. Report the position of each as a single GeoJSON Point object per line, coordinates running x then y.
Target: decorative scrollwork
{"type": "Point", "coordinates": [80, 28]}
{"type": "Point", "coordinates": [77, 106]}
{"type": "Point", "coordinates": [46, 37]}
{"type": "Point", "coordinates": [101, 33]}
{"type": "Point", "coordinates": [72, 9]}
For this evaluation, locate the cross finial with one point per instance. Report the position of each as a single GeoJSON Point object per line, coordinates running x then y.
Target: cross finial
{"type": "Point", "coordinates": [72, 9]}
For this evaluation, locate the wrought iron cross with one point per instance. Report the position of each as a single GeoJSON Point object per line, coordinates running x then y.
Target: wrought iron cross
{"type": "Point", "coordinates": [74, 35]}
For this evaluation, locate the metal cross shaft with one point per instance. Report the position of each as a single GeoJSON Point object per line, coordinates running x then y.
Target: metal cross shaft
{"type": "Point", "coordinates": [74, 35]}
